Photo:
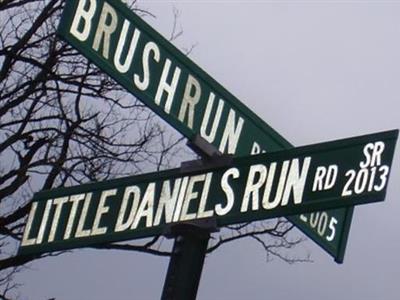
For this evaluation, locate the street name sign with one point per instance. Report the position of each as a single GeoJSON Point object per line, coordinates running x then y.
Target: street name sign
{"type": "Point", "coordinates": [305, 179]}
{"type": "Point", "coordinates": [120, 43]}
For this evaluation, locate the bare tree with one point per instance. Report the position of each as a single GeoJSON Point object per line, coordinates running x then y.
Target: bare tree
{"type": "Point", "coordinates": [63, 123]}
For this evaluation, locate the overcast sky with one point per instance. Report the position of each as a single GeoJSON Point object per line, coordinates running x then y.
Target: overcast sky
{"type": "Point", "coordinates": [313, 70]}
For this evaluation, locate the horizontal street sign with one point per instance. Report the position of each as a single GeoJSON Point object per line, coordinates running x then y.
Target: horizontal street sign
{"type": "Point", "coordinates": [305, 179]}
{"type": "Point", "coordinates": [150, 67]}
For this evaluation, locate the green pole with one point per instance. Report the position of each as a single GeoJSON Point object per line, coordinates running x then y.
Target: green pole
{"type": "Point", "coordinates": [191, 239]}
{"type": "Point", "coordinates": [186, 262]}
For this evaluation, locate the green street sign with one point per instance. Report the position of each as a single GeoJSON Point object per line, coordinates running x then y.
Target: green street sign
{"type": "Point", "coordinates": [300, 180]}
{"type": "Point", "coordinates": [125, 47]}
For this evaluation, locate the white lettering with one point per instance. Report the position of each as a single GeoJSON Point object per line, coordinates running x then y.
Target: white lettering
{"type": "Point", "coordinates": [129, 191]}
{"type": "Point", "coordinates": [210, 137]}
{"type": "Point", "coordinates": [58, 202]}
{"type": "Point", "coordinates": [373, 158]}
{"type": "Point", "coordinates": [45, 218]}
{"type": "Point", "coordinates": [191, 97]}
{"type": "Point", "coordinates": [190, 195]}
{"type": "Point", "coordinates": [253, 186]}
{"type": "Point", "coordinates": [80, 232]}
{"type": "Point", "coordinates": [85, 16]}
{"type": "Point", "coordinates": [75, 199]}
{"type": "Point", "coordinates": [163, 86]}
{"type": "Point", "coordinates": [123, 68]}
{"type": "Point", "coordinates": [231, 134]}
{"type": "Point", "coordinates": [167, 201]}
{"type": "Point", "coordinates": [104, 30]}
{"type": "Point", "coordinates": [319, 179]}
{"type": "Point", "coordinates": [255, 149]}
{"type": "Point", "coordinates": [230, 196]}
{"type": "Point", "coordinates": [267, 204]}
{"type": "Point", "coordinates": [296, 181]}
{"type": "Point", "coordinates": [150, 47]}
{"type": "Point", "coordinates": [181, 197]}
{"type": "Point", "coordinates": [202, 212]}
{"type": "Point", "coordinates": [26, 241]}
{"type": "Point", "coordinates": [331, 177]}
{"type": "Point", "coordinates": [101, 210]}
{"type": "Point", "coordinates": [146, 207]}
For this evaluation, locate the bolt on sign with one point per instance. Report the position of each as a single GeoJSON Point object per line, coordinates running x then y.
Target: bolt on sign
{"type": "Point", "coordinates": [310, 178]}
{"type": "Point", "coordinates": [125, 47]}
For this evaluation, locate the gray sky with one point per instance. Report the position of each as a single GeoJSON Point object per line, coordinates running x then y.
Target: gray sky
{"type": "Point", "coordinates": [315, 71]}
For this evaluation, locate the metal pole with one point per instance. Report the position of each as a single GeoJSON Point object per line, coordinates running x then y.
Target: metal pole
{"type": "Point", "coordinates": [191, 239]}
{"type": "Point", "coordinates": [186, 262]}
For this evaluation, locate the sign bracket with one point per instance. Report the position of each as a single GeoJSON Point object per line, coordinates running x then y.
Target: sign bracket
{"type": "Point", "coordinates": [191, 238]}
{"type": "Point", "coordinates": [203, 148]}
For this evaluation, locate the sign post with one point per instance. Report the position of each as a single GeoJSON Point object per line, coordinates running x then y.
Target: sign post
{"type": "Point", "coordinates": [191, 240]}
{"type": "Point", "coordinates": [187, 259]}
{"type": "Point", "coordinates": [125, 47]}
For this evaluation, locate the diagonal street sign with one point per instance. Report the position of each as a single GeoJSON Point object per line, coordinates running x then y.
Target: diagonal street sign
{"type": "Point", "coordinates": [310, 178]}
{"type": "Point", "coordinates": [151, 68]}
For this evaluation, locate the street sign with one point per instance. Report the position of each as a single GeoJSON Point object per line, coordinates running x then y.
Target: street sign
{"type": "Point", "coordinates": [300, 180]}
{"type": "Point", "coordinates": [150, 67]}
